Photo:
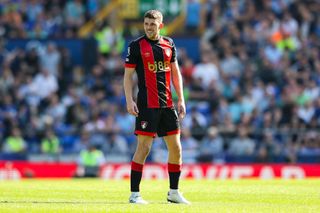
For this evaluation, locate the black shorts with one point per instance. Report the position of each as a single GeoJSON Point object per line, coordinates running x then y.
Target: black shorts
{"type": "Point", "coordinates": [157, 121]}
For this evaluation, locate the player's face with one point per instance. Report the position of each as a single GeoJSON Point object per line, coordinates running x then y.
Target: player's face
{"type": "Point", "coordinates": [152, 28]}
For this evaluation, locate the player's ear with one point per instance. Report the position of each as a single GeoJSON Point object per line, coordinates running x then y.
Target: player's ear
{"type": "Point", "coordinates": [161, 25]}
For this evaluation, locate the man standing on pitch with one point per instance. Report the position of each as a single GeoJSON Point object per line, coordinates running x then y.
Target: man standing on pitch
{"type": "Point", "coordinates": [153, 58]}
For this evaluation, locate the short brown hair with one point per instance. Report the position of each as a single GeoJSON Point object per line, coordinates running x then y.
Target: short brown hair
{"type": "Point", "coordinates": [154, 14]}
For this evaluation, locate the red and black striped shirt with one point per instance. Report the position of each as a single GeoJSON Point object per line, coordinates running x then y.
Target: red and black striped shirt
{"type": "Point", "coordinates": [152, 62]}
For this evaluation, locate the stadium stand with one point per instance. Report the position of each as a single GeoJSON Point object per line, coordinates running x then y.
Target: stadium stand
{"type": "Point", "coordinates": [253, 95]}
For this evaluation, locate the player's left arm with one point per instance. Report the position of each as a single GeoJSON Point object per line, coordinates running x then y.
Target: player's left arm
{"type": "Point", "coordinates": [178, 86]}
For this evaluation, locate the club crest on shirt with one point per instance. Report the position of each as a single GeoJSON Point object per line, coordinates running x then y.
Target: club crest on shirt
{"type": "Point", "coordinates": [144, 124]}
{"type": "Point", "coordinates": [168, 52]}
{"type": "Point", "coordinates": [147, 54]}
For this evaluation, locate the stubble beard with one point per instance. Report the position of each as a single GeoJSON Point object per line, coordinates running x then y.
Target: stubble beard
{"type": "Point", "coordinates": [152, 35]}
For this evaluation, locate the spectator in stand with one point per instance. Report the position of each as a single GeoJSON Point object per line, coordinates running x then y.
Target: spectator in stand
{"type": "Point", "coordinates": [187, 70]}
{"type": "Point", "coordinates": [44, 84]}
{"type": "Point", "coordinates": [50, 146]}
{"type": "Point", "coordinates": [206, 70]}
{"type": "Point", "coordinates": [306, 112]}
{"type": "Point", "coordinates": [34, 8]}
{"type": "Point", "coordinates": [242, 145]}
{"type": "Point", "coordinates": [212, 146]}
{"type": "Point", "coordinates": [9, 108]}
{"type": "Point", "coordinates": [6, 81]}
{"type": "Point", "coordinates": [83, 141]}
{"type": "Point", "coordinates": [117, 146]}
{"type": "Point", "coordinates": [230, 64]}
{"type": "Point", "coordinates": [196, 123]}
{"type": "Point", "coordinates": [32, 60]}
{"type": "Point", "coordinates": [50, 59]}
{"type": "Point", "coordinates": [55, 108]}
{"type": "Point", "coordinates": [310, 144]}
{"type": "Point", "coordinates": [89, 162]}
{"type": "Point", "coordinates": [14, 143]}
{"type": "Point", "coordinates": [110, 39]}
{"type": "Point", "coordinates": [96, 126]}
{"type": "Point", "coordinates": [124, 121]}
{"type": "Point", "coordinates": [268, 148]}
{"type": "Point", "coordinates": [193, 15]}
{"type": "Point", "coordinates": [74, 13]}
{"type": "Point", "coordinates": [190, 146]}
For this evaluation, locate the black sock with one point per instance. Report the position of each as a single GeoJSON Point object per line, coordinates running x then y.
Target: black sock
{"type": "Point", "coordinates": [174, 179]}
{"type": "Point", "coordinates": [174, 175]}
{"type": "Point", "coordinates": [135, 177]}
{"type": "Point", "coordinates": [135, 180]}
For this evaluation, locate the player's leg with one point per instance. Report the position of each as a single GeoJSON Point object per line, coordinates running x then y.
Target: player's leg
{"type": "Point", "coordinates": [145, 130]}
{"type": "Point", "coordinates": [174, 168]}
{"type": "Point", "coordinates": [170, 130]}
{"type": "Point", "coordinates": [140, 155]}
{"type": "Point", "coordinates": [143, 149]}
{"type": "Point", "coordinates": [174, 159]}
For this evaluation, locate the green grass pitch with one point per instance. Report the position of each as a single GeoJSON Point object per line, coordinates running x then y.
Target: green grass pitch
{"type": "Point", "coordinates": [96, 195]}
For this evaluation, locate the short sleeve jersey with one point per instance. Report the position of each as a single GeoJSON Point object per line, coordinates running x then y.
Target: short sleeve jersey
{"type": "Point", "coordinates": [152, 62]}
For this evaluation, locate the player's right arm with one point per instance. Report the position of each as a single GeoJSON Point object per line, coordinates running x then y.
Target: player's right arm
{"type": "Point", "coordinates": [130, 66]}
{"type": "Point", "coordinates": [128, 86]}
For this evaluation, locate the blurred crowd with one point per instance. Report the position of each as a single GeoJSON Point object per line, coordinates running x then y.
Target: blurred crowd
{"type": "Point", "coordinates": [257, 81]}
{"type": "Point", "coordinates": [46, 19]}
{"type": "Point", "coordinates": [254, 96]}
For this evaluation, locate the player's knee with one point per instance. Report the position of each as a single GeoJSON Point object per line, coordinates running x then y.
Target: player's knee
{"type": "Point", "coordinates": [176, 149]}
{"type": "Point", "coordinates": [176, 152]}
{"type": "Point", "coordinates": [145, 149]}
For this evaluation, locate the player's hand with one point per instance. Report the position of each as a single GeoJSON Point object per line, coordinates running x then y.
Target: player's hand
{"type": "Point", "coordinates": [181, 109]}
{"type": "Point", "coordinates": [132, 108]}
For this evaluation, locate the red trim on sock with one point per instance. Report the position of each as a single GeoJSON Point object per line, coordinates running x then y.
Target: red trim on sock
{"type": "Point", "coordinates": [136, 166]}
{"type": "Point", "coordinates": [174, 167]}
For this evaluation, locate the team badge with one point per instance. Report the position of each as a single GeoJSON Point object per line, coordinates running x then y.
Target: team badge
{"type": "Point", "coordinates": [147, 54]}
{"type": "Point", "coordinates": [168, 52]}
{"type": "Point", "coordinates": [144, 124]}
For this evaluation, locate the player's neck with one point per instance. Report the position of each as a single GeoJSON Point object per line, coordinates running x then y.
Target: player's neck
{"type": "Point", "coordinates": [156, 38]}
